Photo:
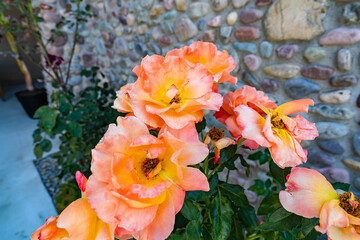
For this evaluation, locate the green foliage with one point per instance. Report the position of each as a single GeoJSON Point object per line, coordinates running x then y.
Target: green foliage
{"type": "Point", "coordinates": [78, 121]}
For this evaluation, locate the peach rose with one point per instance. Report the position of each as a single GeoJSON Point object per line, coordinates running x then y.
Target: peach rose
{"type": "Point", "coordinates": [280, 133]}
{"type": "Point", "coordinates": [169, 91]}
{"type": "Point", "coordinates": [309, 194]}
{"type": "Point", "coordinates": [139, 181]}
{"type": "Point", "coordinates": [77, 222]}
{"type": "Point", "coordinates": [218, 63]}
{"type": "Point", "coordinates": [247, 96]}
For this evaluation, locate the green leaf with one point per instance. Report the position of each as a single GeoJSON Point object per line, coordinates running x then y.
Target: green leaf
{"type": "Point", "coordinates": [193, 230]}
{"type": "Point", "coordinates": [190, 211]}
{"type": "Point", "coordinates": [221, 214]}
{"type": "Point", "coordinates": [75, 129]}
{"type": "Point", "coordinates": [200, 125]}
{"type": "Point", "coordinates": [46, 145]}
{"type": "Point", "coordinates": [278, 173]}
{"type": "Point", "coordinates": [201, 195]}
{"type": "Point", "coordinates": [235, 193]}
{"type": "Point", "coordinates": [281, 220]}
{"type": "Point", "coordinates": [47, 117]}
{"type": "Point", "coordinates": [248, 216]}
{"type": "Point", "coordinates": [340, 185]}
{"type": "Point", "coordinates": [228, 153]}
{"type": "Point", "coordinates": [269, 204]}
{"type": "Point", "coordinates": [308, 225]}
{"type": "Point", "coordinates": [37, 151]}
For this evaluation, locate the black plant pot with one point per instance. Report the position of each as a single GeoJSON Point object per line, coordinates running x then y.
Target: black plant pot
{"type": "Point", "coordinates": [32, 100]}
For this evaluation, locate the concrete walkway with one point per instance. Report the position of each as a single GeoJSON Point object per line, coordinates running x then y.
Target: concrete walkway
{"type": "Point", "coordinates": [24, 201]}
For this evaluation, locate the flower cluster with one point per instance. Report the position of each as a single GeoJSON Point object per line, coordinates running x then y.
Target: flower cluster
{"type": "Point", "coordinates": [139, 179]}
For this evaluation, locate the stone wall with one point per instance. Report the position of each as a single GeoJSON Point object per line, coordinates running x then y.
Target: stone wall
{"type": "Point", "coordinates": [290, 49]}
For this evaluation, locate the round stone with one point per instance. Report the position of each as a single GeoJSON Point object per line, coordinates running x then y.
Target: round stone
{"type": "Point", "coordinates": [262, 3]}
{"type": "Point", "coordinates": [199, 9]}
{"type": "Point", "coordinates": [338, 112]}
{"type": "Point", "coordinates": [219, 5]}
{"type": "Point", "coordinates": [351, 163]}
{"type": "Point", "coordinates": [298, 88]}
{"type": "Point", "coordinates": [215, 22]}
{"type": "Point", "coordinates": [245, 47]}
{"type": "Point", "coordinates": [340, 36]}
{"type": "Point", "coordinates": [335, 174]}
{"type": "Point", "coordinates": [168, 4]}
{"type": "Point", "coordinates": [344, 80]}
{"type": "Point", "coordinates": [266, 49]}
{"type": "Point", "coordinates": [250, 79]}
{"type": "Point", "coordinates": [356, 143]}
{"type": "Point", "coordinates": [269, 85]}
{"type": "Point", "coordinates": [320, 158]}
{"type": "Point", "coordinates": [317, 71]}
{"type": "Point", "coordinates": [339, 96]}
{"type": "Point", "coordinates": [287, 51]}
{"type": "Point", "coordinates": [331, 130]}
{"type": "Point", "coordinates": [331, 147]}
{"type": "Point", "coordinates": [165, 40]}
{"type": "Point", "coordinates": [252, 62]}
{"type": "Point", "coordinates": [250, 15]}
{"type": "Point", "coordinates": [184, 28]}
{"type": "Point", "coordinates": [225, 33]}
{"type": "Point", "coordinates": [239, 3]}
{"type": "Point", "coordinates": [344, 60]}
{"type": "Point", "coordinates": [181, 5]}
{"type": "Point", "coordinates": [247, 33]}
{"type": "Point", "coordinates": [282, 70]}
{"type": "Point", "coordinates": [231, 18]}
{"type": "Point", "coordinates": [314, 54]}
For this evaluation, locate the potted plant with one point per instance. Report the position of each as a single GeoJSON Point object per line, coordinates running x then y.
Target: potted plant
{"type": "Point", "coordinates": [31, 98]}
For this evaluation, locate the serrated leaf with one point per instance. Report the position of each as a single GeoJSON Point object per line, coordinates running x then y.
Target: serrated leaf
{"type": "Point", "coordinates": [235, 193]}
{"type": "Point", "coordinates": [281, 220]}
{"type": "Point", "coordinates": [193, 230]}
{"type": "Point", "coordinates": [221, 214]}
{"type": "Point", "coordinates": [278, 173]}
{"type": "Point", "coordinates": [308, 225]}
{"type": "Point", "coordinates": [228, 153]}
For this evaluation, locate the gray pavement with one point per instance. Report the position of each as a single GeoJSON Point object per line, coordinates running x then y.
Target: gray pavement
{"type": "Point", "coordinates": [24, 201]}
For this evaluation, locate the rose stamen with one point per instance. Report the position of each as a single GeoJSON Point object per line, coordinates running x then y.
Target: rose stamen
{"type": "Point", "coordinates": [350, 203]}
{"type": "Point", "coordinates": [216, 134]}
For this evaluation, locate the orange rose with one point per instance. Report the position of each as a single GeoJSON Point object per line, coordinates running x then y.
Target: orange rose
{"type": "Point", "coordinates": [77, 222]}
{"type": "Point", "coordinates": [169, 91]}
{"type": "Point", "coordinates": [139, 181]}
{"type": "Point", "coordinates": [247, 96]}
{"type": "Point", "coordinates": [218, 63]}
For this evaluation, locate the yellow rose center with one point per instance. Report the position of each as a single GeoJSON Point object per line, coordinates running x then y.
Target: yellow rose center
{"type": "Point", "coordinates": [176, 99]}
{"type": "Point", "coordinates": [216, 134]}
{"type": "Point", "coordinates": [350, 203]}
{"type": "Point", "coordinates": [151, 167]}
{"type": "Point", "coordinates": [277, 122]}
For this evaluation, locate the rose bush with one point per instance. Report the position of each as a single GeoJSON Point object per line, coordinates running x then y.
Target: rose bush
{"type": "Point", "coordinates": [152, 178]}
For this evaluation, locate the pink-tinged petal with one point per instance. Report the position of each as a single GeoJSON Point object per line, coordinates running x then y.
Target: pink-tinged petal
{"type": "Point", "coordinates": [234, 128]}
{"type": "Point", "coordinates": [222, 115]}
{"type": "Point", "coordinates": [81, 181]}
{"type": "Point", "coordinates": [354, 220]}
{"type": "Point", "coordinates": [99, 201]}
{"type": "Point", "coordinates": [177, 195]}
{"type": "Point", "coordinates": [122, 102]}
{"type": "Point", "coordinates": [163, 223]}
{"type": "Point", "coordinates": [134, 219]}
{"type": "Point", "coordinates": [187, 134]}
{"type": "Point", "coordinates": [146, 139]}
{"type": "Point", "coordinates": [306, 192]}
{"type": "Point", "coordinates": [101, 165]}
{"type": "Point", "coordinates": [171, 93]}
{"type": "Point", "coordinates": [250, 144]}
{"type": "Point", "coordinates": [295, 106]}
{"type": "Point", "coordinates": [122, 234]}
{"type": "Point", "coordinates": [131, 127]}
{"type": "Point", "coordinates": [332, 214]}
{"type": "Point", "coordinates": [211, 101]}
{"type": "Point", "coordinates": [179, 120]}
{"type": "Point", "coordinates": [348, 233]}
{"type": "Point", "coordinates": [192, 154]}
{"type": "Point", "coordinates": [193, 179]}
{"type": "Point", "coordinates": [290, 123]}
{"type": "Point", "coordinates": [287, 151]}
{"type": "Point", "coordinates": [152, 192]}
{"type": "Point", "coordinates": [304, 130]}
{"type": "Point", "coordinates": [49, 230]}
{"type": "Point", "coordinates": [140, 112]}
{"type": "Point", "coordinates": [156, 109]}
{"type": "Point", "coordinates": [227, 78]}
{"type": "Point", "coordinates": [251, 123]}
{"type": "Point", "coordinates": [224, 142]}
{"type": "Point", "coordinates": [81, 222]}
{"type": "Point", "coordinates": [199, 82]}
